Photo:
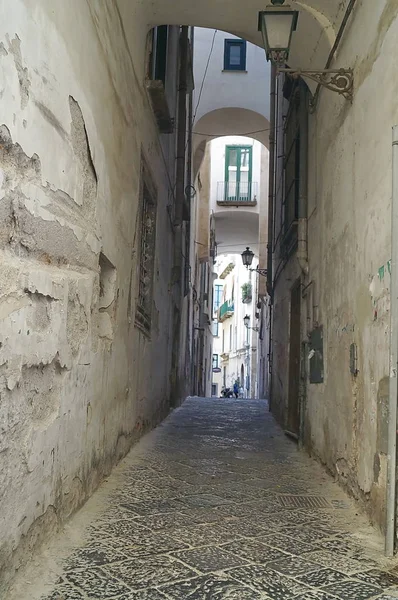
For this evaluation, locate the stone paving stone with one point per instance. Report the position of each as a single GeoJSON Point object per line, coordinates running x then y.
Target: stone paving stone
{"type": "Point", "coordinates": [65, 592]}
{"type": "Point", "coordinates": [318, 579]}
{"type": "Point", "coordinates": [96, 583]}
{"type": "Point", "coordinates": [205, 535]}
{"type": "Point", "coordinates": [203, 501]}
{"type": "Point", "coordinates": [264, 580]}
{"type": "Point", "coordinates": [352, 590]}
{"type": "Point", "coordinates": [308, 535]}
{"type": "Point", "coordinates": [211, 587]}
{"type": "Point", "coordinates": [316, 595]}
{"type": "Point", "coordinates": [204, 515]}
{"type": "Point", "coordinates": [210, 558]}
{"type": "Point", "coordinates": [254, 551]}
{"type": "Point", "coordinates": [218, 504]}
{"type": "Point", "coordinates": [382, 579]}
{"type": "Point", "coordinates": [345, 564]}
{"type": "Point", "coordinates": [151, 571]}
{"type": "Point", "coordinates": [152, 507]}
{"type": "Point", "coordinates": [293, 566]}
{"type": "Point", "coordinates": [166, 521]}
{"type": "Point", "coordinates": [288, 544]}
{"type": "Point", "coordinates": [92, 556]}
{"type": "Point", "coordinates": [150, 594]}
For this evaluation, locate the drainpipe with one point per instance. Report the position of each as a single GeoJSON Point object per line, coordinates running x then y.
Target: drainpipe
{"type": "Point", "coordinates": [393, 388]}
{"type": "Point", "coordinates": [181, 150]}
{"type": "Point", "coordinates": [182, 126]}
{"type": "Point", "coordinates": [302, 243]}
{"type": "Point", "coordinates": [271, 180]}
{"type": "Point", "coordinates": [271, 194]}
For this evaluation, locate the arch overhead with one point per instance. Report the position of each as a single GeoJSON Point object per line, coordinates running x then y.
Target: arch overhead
{"type": "Point", "coordinates": [227, 121]}
{"type": "Point", "coordinates": [319, 22]}
{"type": "Point", "coordinates": [235, 230]}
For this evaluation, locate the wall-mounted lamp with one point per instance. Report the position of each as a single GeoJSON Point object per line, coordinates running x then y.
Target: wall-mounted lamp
{"type": "Point", "coordinates": [247, 259]}
{"type": "Point", "coordinates": [277, 23]}
{"type": "Point", "coordinates": [246, 321]}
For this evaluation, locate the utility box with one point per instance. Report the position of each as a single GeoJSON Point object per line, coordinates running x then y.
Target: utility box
{"type": "Point", "coordinates": [315, 355]}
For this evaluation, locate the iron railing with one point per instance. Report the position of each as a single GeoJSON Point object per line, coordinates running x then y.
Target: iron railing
{"type": "Point", "coordinates": [242, 192]}
{"type": "Point", "coordinates": [226, 310]}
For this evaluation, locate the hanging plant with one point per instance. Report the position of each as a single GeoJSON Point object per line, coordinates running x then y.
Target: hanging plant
{"type": "Point", "coordinates": [246, 292]}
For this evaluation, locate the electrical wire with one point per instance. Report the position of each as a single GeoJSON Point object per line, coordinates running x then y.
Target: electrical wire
{"type": "Point", "coordinates": [204, 76]}
{"type": "Point", "coordinates": [245, 133]}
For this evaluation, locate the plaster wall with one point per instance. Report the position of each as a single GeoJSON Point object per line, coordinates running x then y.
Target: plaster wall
{"type": "Point", "coordinates": [76, 379]}
{"type": "Point", "coordinates": [232, 86]}
{"type": "Point", "coordinates": [349, 251]}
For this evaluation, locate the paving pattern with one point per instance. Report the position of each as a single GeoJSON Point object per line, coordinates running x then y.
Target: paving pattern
{"type": "Point", "coordinates": [217, 504]}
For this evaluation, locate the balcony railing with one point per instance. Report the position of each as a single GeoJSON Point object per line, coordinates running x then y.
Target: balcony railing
{"type": "Point", "coordinates": [232, 192]}
{"type": "Point", "coordinates": [225, 311]}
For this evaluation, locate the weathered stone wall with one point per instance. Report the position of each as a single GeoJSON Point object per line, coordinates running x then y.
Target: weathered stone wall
{"type": "Point", "coordinates": [76, 377]}
{"type": "Point", "coordinates": [349, 253]}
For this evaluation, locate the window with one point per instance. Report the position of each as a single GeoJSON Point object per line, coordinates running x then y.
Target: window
{"type": "Point", "coordinates": [294, 159]}
{"type": "Point", "coordinates": [217, 295]}
{"type": "Point", "coordinates": [230, 337]}
{"type": "Point", "coordinates": [234, 55]}
{"type": "Point", "coordinates": [158, 56]}
{"type": "Point", "coordinates": [238, 173]}
{"type": "Point", "coordinates": [187, 265]}
{"type": "Point", "coordinates": [143, 314]}
{"type": "Point", "coordinates": [215, 361]}
{"type": "Point", "coordinates": [215, 328]}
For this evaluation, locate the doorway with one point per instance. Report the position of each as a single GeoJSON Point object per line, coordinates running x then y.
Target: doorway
{"type": "Point", "coordinates": [293, 411]}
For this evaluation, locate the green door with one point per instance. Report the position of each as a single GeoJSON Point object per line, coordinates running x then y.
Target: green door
{"type": "Point", "coordinates": [238, 173]}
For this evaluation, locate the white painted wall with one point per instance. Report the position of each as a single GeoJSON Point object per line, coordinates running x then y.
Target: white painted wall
{"type": "Point", "coordinates": [217, 149]}
{"type": "Point", "coordinates": [232, 86]}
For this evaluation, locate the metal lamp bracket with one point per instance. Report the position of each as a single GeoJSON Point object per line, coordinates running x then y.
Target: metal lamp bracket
{"type": "Point", "coordinates": [262, 272]}
{"type": "Point", "coordinates": [336, 80]}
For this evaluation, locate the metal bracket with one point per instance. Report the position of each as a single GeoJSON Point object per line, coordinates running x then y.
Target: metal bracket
{"type": "Point", "coordinates": [262, 272]}
{"type": "Point", "coordinates": [336, 80]}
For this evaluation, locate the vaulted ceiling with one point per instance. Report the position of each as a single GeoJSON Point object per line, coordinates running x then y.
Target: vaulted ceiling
{"type": "Point", "coordinates": [319, 21]}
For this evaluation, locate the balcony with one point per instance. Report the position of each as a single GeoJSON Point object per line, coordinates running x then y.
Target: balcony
{"type": "Point", "coordinates": [225, 311]}
{"type": "Point", "coordinates": [232, 193]}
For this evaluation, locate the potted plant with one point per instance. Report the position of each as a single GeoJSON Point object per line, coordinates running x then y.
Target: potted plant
{"type": "Point", "coordinates": [246, 292]}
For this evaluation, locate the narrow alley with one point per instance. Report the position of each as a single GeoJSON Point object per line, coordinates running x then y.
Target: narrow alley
{"type": "Point", "coordinates": [214, 503]}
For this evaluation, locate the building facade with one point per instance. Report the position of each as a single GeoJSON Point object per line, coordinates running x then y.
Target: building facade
{"type": "Point", "coordinates": [235, 342]}
{"type": "Point", "coordinates": [107, 236]}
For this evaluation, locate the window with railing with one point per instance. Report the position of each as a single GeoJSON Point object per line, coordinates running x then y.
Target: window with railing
{"type": "Point", "coordinates": [143, 314]}
{"type": "Point", "coordinates": [238, 185]}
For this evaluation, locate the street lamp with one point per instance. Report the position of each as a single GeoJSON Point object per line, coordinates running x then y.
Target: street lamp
{"type": "Point", "coordinates": [246, 321]}
{"type": "Point", "coordinates": [247, 259]}
{"type": "Point", "coordinates": [277, 23]}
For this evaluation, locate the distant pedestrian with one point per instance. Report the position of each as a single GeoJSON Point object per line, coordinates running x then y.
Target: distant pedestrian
{"type": "Point", "coordinates": [236, 389]}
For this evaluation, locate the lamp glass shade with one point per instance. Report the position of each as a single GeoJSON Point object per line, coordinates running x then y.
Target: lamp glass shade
{"type": "Point", "coordinates": [276, 25]}
{"type": "Point", "coordinates": [246, 320]}
{"type": "Point", "coordinates": [247, 257]}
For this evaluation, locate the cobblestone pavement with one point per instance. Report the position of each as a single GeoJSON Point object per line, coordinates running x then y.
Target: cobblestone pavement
{"type": "Point", "coordinates": [215, 503]}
